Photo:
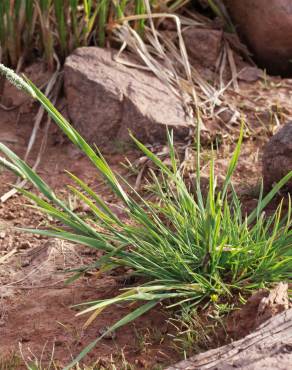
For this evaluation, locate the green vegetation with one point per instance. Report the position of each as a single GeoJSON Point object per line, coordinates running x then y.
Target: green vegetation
{"type": "Point", "coordinates": [53, 28]}
{"type": "Point", "coordinates": [56, 26]}
{"type": "Point", "coordinates": [189, 250]}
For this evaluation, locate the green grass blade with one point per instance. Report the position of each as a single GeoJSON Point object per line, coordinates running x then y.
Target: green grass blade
{"type": "Point", "coordinates": [268, 198]}
{"type": "Point", "coordinates": [232, 164]}
{"type": "Point", "coordinates": [124, 321]}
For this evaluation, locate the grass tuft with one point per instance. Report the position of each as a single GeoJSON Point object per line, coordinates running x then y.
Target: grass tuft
{"type": "Point", "coordinates": [189, 250]}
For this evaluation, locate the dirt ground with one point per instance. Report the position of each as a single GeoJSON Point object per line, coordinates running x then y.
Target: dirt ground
{"type": "Point", "coordinates": [36, 311]}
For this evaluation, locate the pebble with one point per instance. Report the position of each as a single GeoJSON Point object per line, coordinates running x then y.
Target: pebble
{"type": "Point", "coordinates": [24, 340]}
{"type": "Point", "coordinates": [110, 335]}
{"type": "Point", "coordinates": [25, 245]}
{"type": "Point", "coordinates": [25, 263]}
{"type": "Point", "coordinates": [9, 216]}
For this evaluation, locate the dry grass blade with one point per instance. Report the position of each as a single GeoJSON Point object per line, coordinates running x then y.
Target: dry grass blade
{"type": "Point", "coordinates": [4, 258]}
{"type": "Point", "coordinates": [39, 116]}
{"type": "Point", "coordinates": [38, 119]}
{"type": "Point", "coordinates": [168, 60]}
{"type": "Point", "coordinates": [232, 66]}
{"type": "Point", "coordinates": [155, 58]}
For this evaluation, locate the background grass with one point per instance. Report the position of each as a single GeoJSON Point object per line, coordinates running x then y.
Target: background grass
{"type": "Point", "coordinates": [55, 26]}
{"type": "Point", "coordinates": [32, 28]}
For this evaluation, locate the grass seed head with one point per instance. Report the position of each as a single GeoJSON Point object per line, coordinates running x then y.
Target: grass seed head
{"type": "Point", "coordinates": [16, 80]}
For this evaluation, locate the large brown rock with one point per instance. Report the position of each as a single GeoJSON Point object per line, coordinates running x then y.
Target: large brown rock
{"type": "Point", "coordinates": [106, 99]}
{"type": "Point", "coordinates": [277, 157]}
{"type": "Point", "coordinates": [266, 27]}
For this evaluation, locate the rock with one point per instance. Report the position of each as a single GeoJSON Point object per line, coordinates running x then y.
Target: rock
{"type": "Point", "coordinates": [106, 334]}
{"type": "Point", "coordinates": [266, 27]}
{"type": "Point", "coordinates": [250, 74]}
{"type": "Point", "coordinates": [277, 157]}
{"type": "Point", "coordinates": [25, 245]}
{"type": "Point", "coordinates": [106, 99]}
{"type": "Point", "coordinates": [203, 45]}
{"type": "Point", "coordinates": [25, 263]}
{"type": "Point", "coordinates": [9, 215]}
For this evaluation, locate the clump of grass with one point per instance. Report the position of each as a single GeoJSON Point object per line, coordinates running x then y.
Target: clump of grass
{"type": "Point", "coordinates": [10, 361]}
{"type": "Point", "coordinates": [56, 26]}
{"type": "Point", "coordinates": [191, 334]}
{"type": "Point", "coordinates": [16, 28]}
{"type": "Point", "coordinates": [188, 250]}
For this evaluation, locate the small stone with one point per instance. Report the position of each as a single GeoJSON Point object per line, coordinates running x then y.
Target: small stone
{"type": "Point", "coordinates": [24, 340]}
{"type": "Point", "coordinates": [111, 335]}
{"type": "Point", "coordinates": [25, 245]}
{"type": "Point", "coordinates": [25, 263]}
{"type": "Point", "coordinates": [203, 45]}
{"type": "Point", "coordinates": [226, 115]}
{"type": "Point", "coordinates": [250, 74]}
{"type": "Point", "coordinates": [2, 234]}
{"type": "Point", "coordinates": [9, 216]}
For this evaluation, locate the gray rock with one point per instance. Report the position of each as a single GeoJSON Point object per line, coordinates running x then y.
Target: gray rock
{"type": "Point", "coordinates": [106, 100]}
{"type": "Point", "coordinates": [266, 27]}
{"type": "Point", "coordinates": [277, 157]}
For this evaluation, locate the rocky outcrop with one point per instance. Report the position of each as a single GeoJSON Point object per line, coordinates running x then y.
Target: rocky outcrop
{"type": "Point", "coordinates": [277, 157]}
{"type": "Point", "coordinates": [266, 27]}
{"type": "Point", "coordinates": [107, 99]}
